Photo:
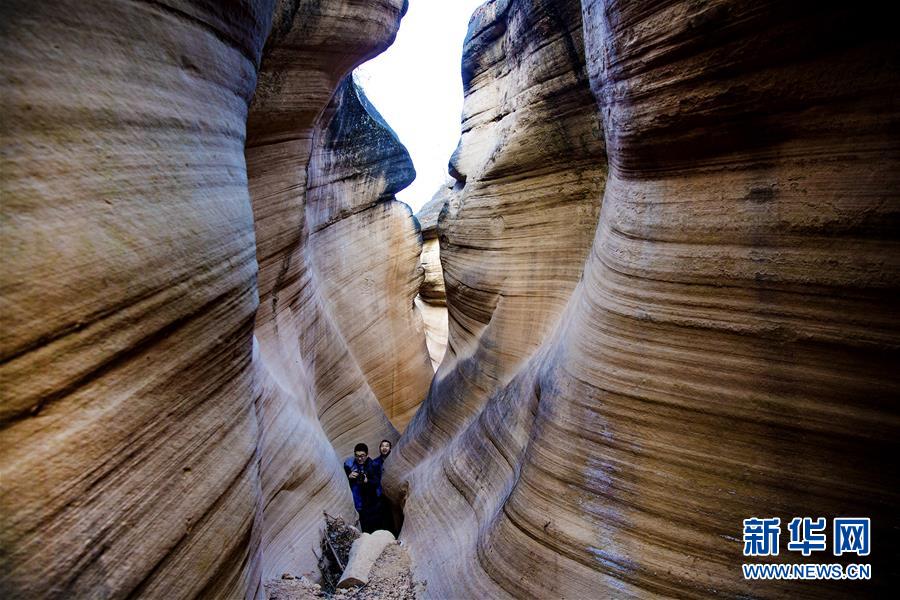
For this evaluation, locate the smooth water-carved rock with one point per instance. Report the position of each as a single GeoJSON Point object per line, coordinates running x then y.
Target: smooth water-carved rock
{"type": "Point", "coordinates": [365, 250]}
{"type": "Point", "coordinates": [151, 447]}
{"type": "Point", "coordinates": [727, 352]}
{"type": "Point", "coordinates": [622, 386]}
{"type": "Point", "coordinates": [432, 289]}
{"type": "Point", "coordinates": [435, 319]}
{"type": "Point", "coordinates": [323, 391]}
{"type": "Point", "coordinates": [517, 226]}
{"type": "Point", "coordinates": [432, 299]}
{"type": "Point", "coordinates": [129, 437]}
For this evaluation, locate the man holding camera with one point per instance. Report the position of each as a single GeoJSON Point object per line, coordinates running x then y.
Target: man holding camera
{"type": "Point", "coordinates": [364, 482]}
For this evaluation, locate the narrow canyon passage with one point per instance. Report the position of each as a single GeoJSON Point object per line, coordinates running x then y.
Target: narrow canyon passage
{"type": "Point", "coordinates": [655, 298]}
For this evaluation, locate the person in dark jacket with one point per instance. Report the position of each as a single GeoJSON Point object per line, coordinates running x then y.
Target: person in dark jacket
{"type": "Point", "coordinates": [384, 450]}
{"type": "Point", "coordinates": [386, 510]}
{"type": "Point", "coordinates": [365, 481]}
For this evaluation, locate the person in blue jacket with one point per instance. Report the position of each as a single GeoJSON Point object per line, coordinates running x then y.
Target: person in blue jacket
{"type": "Point", "coordinates": [365, 485]}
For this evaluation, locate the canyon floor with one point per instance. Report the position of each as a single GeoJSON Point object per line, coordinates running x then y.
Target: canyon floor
{"type": "Point", "coordinates": [390, 579]}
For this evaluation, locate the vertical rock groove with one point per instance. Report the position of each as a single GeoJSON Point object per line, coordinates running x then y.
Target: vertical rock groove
{"type": "Point", "coordinates": [432, 298]}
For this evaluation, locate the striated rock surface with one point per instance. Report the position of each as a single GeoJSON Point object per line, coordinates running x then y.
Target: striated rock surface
{"type": "Point", "coordinates": [323, 213]}
{"type": "Point", "coordinates": [128, 444]}
{"type": "Point", "coordinates": [517, 226]}
{"type": "Point", "coordinates": [432, 289]}
{"type": "Point", "coordinates": [173, 419]}
{"type": "Point", "coordinates": [365, 250]}
{"type": "Point", "coordinates": [617, 399]}
{"type": "Point", "coordinates": [671, 266]}
{"type": "Point", "coordinates": [432, 299]}
{"type": "Point", "coordinates": [430, 212]}
{"type": "Point", "coordinates": [434, 318]}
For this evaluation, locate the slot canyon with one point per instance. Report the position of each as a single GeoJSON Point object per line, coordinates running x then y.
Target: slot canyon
{"type": "Point", "coordinates": [658, 296]}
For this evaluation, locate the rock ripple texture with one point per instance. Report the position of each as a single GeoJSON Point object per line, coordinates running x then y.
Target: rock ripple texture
{"type": "Point", "coordinates": [365, 253]}
{"type": "Point", "coordinates": [721, 342]}
{"type": "Point", "coordinates": [671, 265]}
{"type": "Point", "coordinates": [178, 385]}
{"type": "Point", "coordinates": [432, 298]}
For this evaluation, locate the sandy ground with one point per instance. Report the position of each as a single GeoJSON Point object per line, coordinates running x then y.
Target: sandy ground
{"type": "Point", "coordinates": [390, 579]}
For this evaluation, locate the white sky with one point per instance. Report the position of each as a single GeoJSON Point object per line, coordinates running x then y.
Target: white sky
{"type": "Point", "coordinates": [416, 85]}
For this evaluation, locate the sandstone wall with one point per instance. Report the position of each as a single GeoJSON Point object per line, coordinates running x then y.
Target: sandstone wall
{"type": "Point", "coordinates": [364, 247]}
{"type": "Point", "coordinates": [129, 436]}
{"type": "Point", "coordinates": [177, 395]}
{"type": "Point", "coordinates": [318, 397]}
{"type": "Point", "coordinates": [513, 240]}
{"type": "Point", "coordinates": [432, 299]}
{"type": "Point", "coordinates": [671, 265]}
{"type": "Point", "coordinates": [617, 399]}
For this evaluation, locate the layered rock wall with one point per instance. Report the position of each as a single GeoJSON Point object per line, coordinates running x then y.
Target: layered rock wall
{"type": "Point", "coordinates": [177, 393]}
{"type": "Point", "coordinates": [365, 250]}
{"type": "Point", "coordinates": [671, 265]}
{"type": "Point", "coordinates": [616, 400]}
{"type": "Point", "coordinates": [432, 298]}
{"type": "Point", "coordinates": [129, 435]}
{"type": "Point", "coordinates": [319, 393]}
{"type": "Point", "coordinates": [530, 169]}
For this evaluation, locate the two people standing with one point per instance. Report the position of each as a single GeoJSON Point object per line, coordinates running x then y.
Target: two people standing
{"type": "Point", "coordinates": [364, 475]}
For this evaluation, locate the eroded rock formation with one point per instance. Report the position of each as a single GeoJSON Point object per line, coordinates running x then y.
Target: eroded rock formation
{"type": "Point", "coordinates": [365, 250]}
{"type": "Point", "coordinates": [129, 434]}
{"type": "Point", "coordinates": [517, 228]}
{"type": "Point", "coordinates": [321, 379]}
{"type": "Point", "coordinates": [615, 402]}
{"type": "Point", "coordinates": [671, 266]}
{"type": "Point", "coordinates": [174, 419]}
{"type": "Point", "coordinates": [432, 298]}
